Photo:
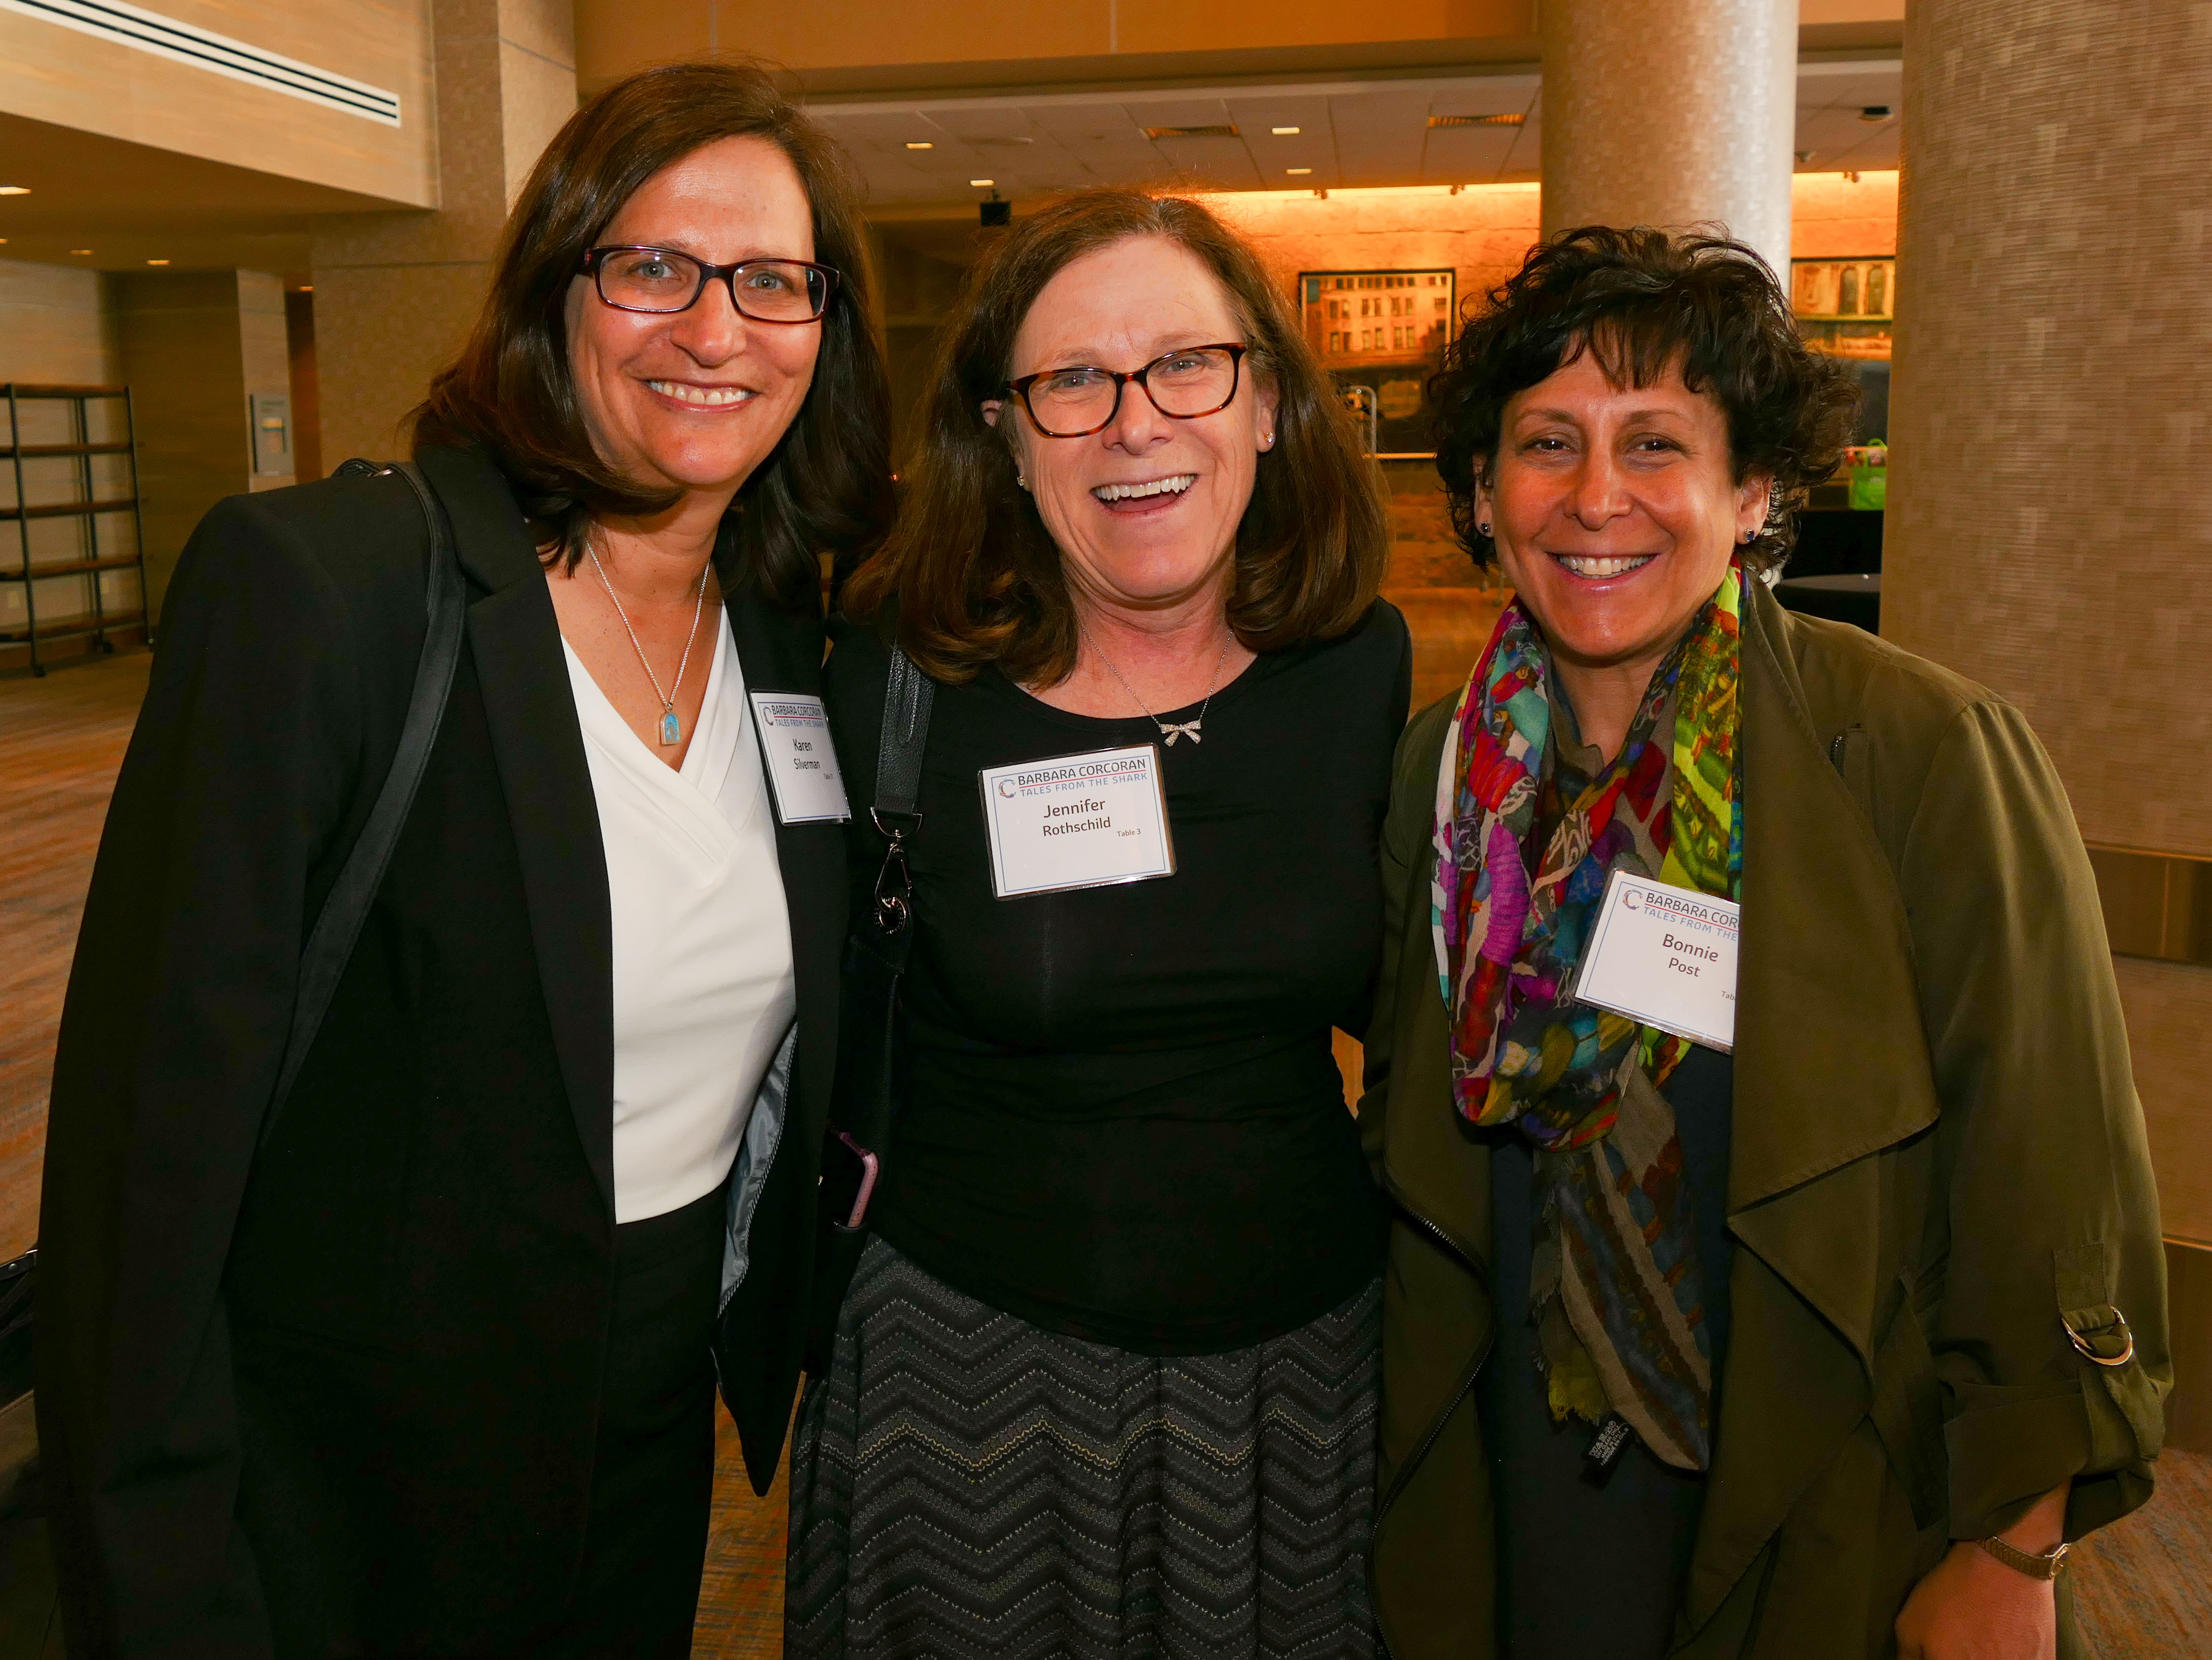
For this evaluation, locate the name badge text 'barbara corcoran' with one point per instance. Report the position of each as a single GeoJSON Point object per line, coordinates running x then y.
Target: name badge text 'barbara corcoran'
{"type": "Point", "coordinates": [1077, 821]}
{"type": "Point", "coordinates": [1665, 956]}
{"type": "Point", "coordinates": [801, 760]}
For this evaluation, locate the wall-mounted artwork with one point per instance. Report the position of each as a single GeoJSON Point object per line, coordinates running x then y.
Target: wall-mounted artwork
{"type": "Point", "coordinates": [1381, 330]}
{"type": "Point", "coordinates": [1847, 307]}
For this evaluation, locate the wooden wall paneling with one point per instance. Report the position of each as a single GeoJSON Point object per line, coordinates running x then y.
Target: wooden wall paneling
{"type": "Point", "coordinates": [77, 80]}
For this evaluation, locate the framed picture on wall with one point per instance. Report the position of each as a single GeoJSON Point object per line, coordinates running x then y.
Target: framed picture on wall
{"type": "Point", "coordinates": [1847, 307]}
{"type": "Point", "coordinates": [1379, 333]}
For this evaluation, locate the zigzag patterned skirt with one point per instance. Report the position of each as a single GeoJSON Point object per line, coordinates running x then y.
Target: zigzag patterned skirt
{"type": "Point", "coordinates": [964, 1484]}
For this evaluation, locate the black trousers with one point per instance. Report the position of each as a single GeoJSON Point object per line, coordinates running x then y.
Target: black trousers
{"type": "Point", "coordinates": [637, 1588]}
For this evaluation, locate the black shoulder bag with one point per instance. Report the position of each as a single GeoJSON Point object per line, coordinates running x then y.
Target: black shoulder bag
{"type": "Point", "coordinates": [339, 923]}
{"type": "Point", "coordinates": [871, 1058]}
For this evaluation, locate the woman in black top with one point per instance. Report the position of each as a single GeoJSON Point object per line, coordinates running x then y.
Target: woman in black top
{"type": "Point", "coordinates": [1105, 1382]}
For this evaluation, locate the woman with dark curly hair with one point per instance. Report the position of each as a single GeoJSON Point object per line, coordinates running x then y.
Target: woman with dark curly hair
{"type": "Point", "coordinates": [1770, 1309]}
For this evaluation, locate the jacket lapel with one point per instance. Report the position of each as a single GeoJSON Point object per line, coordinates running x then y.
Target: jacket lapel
{"type": "Point", "coordinates": [1831, 1064]}
{"type": "Point", "coordinates": [1831, 1067]}
{"type": "Point", "coordinates": [781, 652]}
{"type": "Point", "coordinates": [516, 641]}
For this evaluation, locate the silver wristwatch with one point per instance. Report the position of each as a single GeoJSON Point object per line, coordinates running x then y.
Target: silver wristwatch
{"type": "Point", "coordinates": [2035, 1567]}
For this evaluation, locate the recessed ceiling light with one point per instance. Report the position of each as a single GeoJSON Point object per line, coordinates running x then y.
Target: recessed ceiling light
{"type": "Point", "coordinates": [1874, 112]}
{"type": "Point", "coordinates": [15, 190]}
{"type": "Point", "coordinates": [919, 144]}
{"type": "Point", "coordinates": [1509, 119]}
{"type": "Point", "coordinates": [1297, 173]}
{"type": "Point", "coordinates": [1282, 132]}
{"type": "Point", "coordinates": [982, 183]}
{"type": "Point", "coordinates": [157, 262]}
{"type": "Point", "coordinates": [80, 250]}
{"type": "Point", "coordinates": [1211, 130]}
{"type": "Point", "coordinates": [306, 288]}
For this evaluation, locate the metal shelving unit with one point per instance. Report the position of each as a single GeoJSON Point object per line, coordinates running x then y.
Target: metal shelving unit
{"type": "Point", "coordinates": [96, 621]}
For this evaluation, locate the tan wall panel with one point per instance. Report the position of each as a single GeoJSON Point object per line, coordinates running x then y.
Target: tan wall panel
{"type": "Point", "coordinates": [381, 333]}
{"type": "Point", "coordinates": [73, 80]}
{"type": "Point", "coordinates": [611, 38]}
{"type": "Point", "coordinates": [264, 356]}
{"type": "Point", "coordinates": [182, 352]}
{"type": "Point", "coordinates": [2050, 507]}
{"type": "Point", "coordinates": [1834, 218]}
{"type": "Point", "coordinates": [2169, 1011]}
{"type": "Point", "coordinates": [614, 37]}
{"type": "Point", "coordinates": [53, 325]}
{"type": "Point", "coordinates": [1179, 26]}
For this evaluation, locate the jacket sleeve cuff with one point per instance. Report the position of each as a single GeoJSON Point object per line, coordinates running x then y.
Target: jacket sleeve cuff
{"type": "Point", "coordinates": [2008, 1450]}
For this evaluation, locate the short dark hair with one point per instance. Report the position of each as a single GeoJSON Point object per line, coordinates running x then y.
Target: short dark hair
{"type": "Point", "coordinates": [977, 576]}
{"type": "Point", "coordinates": [825, 487]}
{"type": "Point", "coordinates": [1642, 300]}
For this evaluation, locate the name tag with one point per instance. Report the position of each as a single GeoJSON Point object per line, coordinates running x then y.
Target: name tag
{"type": "Point", "coordinates": [801, 762]}
{"type": "Point", "coordinates": [1077, 821]}
{"type": "Point", "coordinates": [1665, 956]}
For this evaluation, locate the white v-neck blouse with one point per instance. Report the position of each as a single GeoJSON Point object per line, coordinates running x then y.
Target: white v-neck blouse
{"type": "Point", "coordinates": [703, 992]}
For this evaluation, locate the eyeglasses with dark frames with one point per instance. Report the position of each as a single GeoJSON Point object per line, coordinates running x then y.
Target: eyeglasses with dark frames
{"type": "Point", "coordinates": [1081, 399]}
{"type": "Point", "coordinates": [662, 280]}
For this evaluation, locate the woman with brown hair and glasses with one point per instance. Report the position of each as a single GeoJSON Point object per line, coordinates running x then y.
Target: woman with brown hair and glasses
{"type": "Point", "coordinates": [422, 1358]}
{"type": "Point", "coordinates": [1105, 1380]}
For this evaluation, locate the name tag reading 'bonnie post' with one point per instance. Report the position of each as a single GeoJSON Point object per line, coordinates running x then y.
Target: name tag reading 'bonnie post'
{"type": "Point", "coordinates": [1077, 821]}
{"type": "Point", "coordinates": [802, 764]}
{"type": "Point", "coordinates": [1665, 956]}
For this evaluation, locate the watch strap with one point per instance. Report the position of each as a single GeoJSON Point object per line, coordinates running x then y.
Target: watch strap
{"type": "Point", "coordinates": [2035, 1567]}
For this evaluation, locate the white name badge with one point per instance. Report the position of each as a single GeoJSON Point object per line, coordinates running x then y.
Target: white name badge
{"type": "Point", "coordinates": [801, 762]}
{"type": "Point", "coordinates": [1665, 956]}
{"type": "Point", "coordinates": [1077, 821]}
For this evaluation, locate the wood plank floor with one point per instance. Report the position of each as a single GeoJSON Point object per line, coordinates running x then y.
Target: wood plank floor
{"type": "Point", "coordinates": [2144, 1586]}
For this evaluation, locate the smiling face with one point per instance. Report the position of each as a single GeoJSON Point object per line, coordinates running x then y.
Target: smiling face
{"type": "Point", "coordinates": [1145, 513]}
{"type": "Point", "coordinates": [1614, 510]}
{"type": "Point", "coordinates": [697, 398]}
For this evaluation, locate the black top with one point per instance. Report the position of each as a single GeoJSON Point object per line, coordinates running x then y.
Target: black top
{"type": "Point", "coordinates": [1125, 1123]}
{"type": "Point", "coordinates": [1641, 1525]}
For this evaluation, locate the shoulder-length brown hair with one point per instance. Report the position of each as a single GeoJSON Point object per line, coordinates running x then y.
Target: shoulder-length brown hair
{"type": "Point", "coordinates": [976, 577]}
{"type": "Point", "coordinates": [825, 487]}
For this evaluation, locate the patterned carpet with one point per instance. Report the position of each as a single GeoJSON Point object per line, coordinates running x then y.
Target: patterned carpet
{"type": "Point", "coordinates": [2142, 1588]}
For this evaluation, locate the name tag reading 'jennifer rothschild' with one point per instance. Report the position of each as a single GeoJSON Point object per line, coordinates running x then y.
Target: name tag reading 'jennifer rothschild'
{"type": "Point", "coordinates": [1077, 821]}
{"type": "Point", "coordinates": [1665, 956]}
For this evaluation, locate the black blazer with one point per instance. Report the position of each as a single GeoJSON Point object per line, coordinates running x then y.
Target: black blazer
{"type": "Point", "coordinates": [339, 1395]}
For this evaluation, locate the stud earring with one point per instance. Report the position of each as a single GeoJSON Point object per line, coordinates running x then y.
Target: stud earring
{"type": "Point", "coordinates": [1022, 479]}
{"type": "Point", "coordinates": [1267, 440]}
{"type": "Point", "coordinates": [1483, 529]}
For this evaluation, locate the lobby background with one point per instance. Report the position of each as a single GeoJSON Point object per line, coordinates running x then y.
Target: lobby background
{"type": "Point", "coordinates": [306, 232]}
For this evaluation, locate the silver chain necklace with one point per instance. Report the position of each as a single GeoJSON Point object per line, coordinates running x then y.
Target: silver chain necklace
{"type": "Point", "coordinates": [671, 727]}
{"type": "Point", "coordinates": [1169, 730]}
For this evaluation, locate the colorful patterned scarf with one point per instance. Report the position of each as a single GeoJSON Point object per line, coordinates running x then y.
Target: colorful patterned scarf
{"type": "Point", "coordinates": [1616, 1286]}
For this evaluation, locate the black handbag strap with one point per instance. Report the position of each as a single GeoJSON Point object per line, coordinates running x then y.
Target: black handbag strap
{"type": "Point", "coordinates": [339, 925]}
{"type": "Point", "coordinates": [907, 696]}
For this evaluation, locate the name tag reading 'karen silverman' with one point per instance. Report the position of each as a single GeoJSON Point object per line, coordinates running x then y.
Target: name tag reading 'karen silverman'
{"type": "Point", "coordinates": [1665, 956]}
{"type": "Point", "coordinates": [1077, 821]}
{"type": "Point", "coordinates": [801, 762]}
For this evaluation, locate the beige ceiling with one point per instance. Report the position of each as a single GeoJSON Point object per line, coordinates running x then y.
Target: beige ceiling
{"type": "Point", "coordinates": [1350, 133]}
{"type": "Point", "coordinates": [132, 203]}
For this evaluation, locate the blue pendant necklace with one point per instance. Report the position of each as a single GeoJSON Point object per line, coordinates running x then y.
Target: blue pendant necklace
{"type": "Point", "coordinates": [671, 726]}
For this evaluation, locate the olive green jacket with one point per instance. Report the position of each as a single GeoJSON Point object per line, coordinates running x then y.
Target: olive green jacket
{"type": "Point", "coordinates": [1938, 1169]}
